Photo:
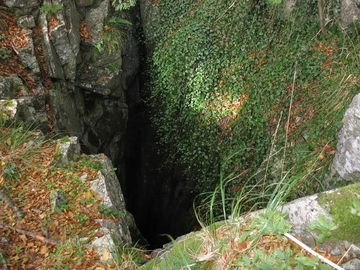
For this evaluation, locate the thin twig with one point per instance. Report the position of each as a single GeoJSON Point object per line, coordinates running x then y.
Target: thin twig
{"type": "Point", "coordinates": [6, 199]}
{"type": "Point", "coordinates": [308, 249]}
{"type": "Point", "coordinates": [225, 11]}
{"type": "Point", "coordinates": [342, 258]}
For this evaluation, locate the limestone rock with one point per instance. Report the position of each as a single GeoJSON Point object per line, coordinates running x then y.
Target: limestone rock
{"type": "Point", "coordinates": [350, 12]}
{"type": "Point", "coordinates": [26, 21]}
{"type": "Point", "coordinates": [67, 105]}
{"type": "Point", "coordinates": [27, 54]}
{"type": "Point", "coordinates": [10, 86]}
{"type": "Point", "coordinates": [52, 60]}
{"type": "Point", "coordinates": [67, 152]}
{"type": "Point", "coordinates": [114, 234]}
{"type": "Point", "coordinates": [95, 19]}
{"type": "Point", "coordinates": [57, 200]}
{"type": "Point", "coordinates": [347, 158]}
{"type": "Point", "coordinates": [22, 7]}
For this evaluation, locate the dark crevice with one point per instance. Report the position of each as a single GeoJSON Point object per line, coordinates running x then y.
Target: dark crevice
{"type": "Point", "coordinates": [160, 200]}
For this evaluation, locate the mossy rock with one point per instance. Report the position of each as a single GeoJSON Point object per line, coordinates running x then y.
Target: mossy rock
{"type": "Point", "coordinates": [339, 204]}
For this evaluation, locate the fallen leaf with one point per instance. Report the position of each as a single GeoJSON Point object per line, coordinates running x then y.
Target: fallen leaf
{"type": "Point", "coordinates": [43, 250]}
{"type": "Point", "coordinates": [23, 238]}
{"type": "Point", "coordinates": [105, 255]}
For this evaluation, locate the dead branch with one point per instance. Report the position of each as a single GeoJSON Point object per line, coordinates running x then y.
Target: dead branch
{"type": "Point", "coordinates": [6, 199]}
{"type": "Point", "coordinates": [31, 234]}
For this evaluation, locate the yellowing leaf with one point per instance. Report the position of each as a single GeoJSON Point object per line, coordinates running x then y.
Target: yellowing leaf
{"type": "Point", "coordinates": [105, 255]}
{"type": "Point", "coordinates": [43, 250]}
{"type": "Point", "coordinates": [88, 194]}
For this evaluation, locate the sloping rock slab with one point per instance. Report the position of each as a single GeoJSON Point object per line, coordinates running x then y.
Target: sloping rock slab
{"type": "Point", "coordinates": [114, 234]}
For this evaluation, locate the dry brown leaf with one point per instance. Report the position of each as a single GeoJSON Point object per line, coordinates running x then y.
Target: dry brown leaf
{"type": "Point", "coordinates": [44, 250]}
{"type": "Point", "coordinates": [23, 238]}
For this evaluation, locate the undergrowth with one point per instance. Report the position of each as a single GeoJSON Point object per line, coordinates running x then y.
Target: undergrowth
{"type": "Point", "coordinates": [225, 75]}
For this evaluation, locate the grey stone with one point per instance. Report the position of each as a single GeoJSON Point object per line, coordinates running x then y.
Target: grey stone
{"type": "Point", "coordinates": [67, 152]}
{"type": "Point", "coordinates": [22, 7]}
{"type": "Point", "coordinates": [347, 158]}
{"type": "Point", "coordinates": [101, 80]}
{"type": "Point", "coordinates": [84, 3]}
{"type": "Point", "coordinates": [353, 264]}
{"type": "Point", "coordinates": [26, 21]}
{"type": "Point", "coordinates": [150, 16]}
{"type": "Point", "coordinates": [107, 186]}
{"type": "Point", "coordinates": [27, 55]}
{"type": "Point", "coordinates": [301, 213]}
{"type": "Point", "coordinates": [57, 200]}
{"type": "Point", "coordinates": [64, 106]}
{"type": "Point", "coordinates": [10, 86]}
{"type": "Point", "coordinates": [95, 19]}
{"type": "Point", "coordinates": [52, 60]}
{"type": "Point", "coordinates": [350, 12]}
{"type": "Point", "coordinates": [65, 38]}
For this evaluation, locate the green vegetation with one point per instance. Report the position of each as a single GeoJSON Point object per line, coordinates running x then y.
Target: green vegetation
{"type": "Point", "coordinates": [112, 38]}
{"type": "Point", "coordinates": [324, 226]}
{"type": "Point", "coordinates": [245, 80]}
{"type": "Point", "coordinates": [342, 207]}
{"type": "Point", "coordinates": [123, 4]}
{"type": "Point", "coordinates": [4, 52]}
{"type": "Point", "coordinates": [52, 9]}
{"type": "Point", "coordinates": [252, 243]}
{"type": "Point", "coordinates": [38, 233]}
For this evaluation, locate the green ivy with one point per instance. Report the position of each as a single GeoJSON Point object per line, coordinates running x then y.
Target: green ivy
{"type": "Point", "coordinates": [222, 74]}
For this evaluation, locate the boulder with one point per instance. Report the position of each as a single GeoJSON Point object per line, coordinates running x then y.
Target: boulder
{"type": "Point", "coordinates": [347, 159]}
{"type": "Point", "coordinates": [350, 13]}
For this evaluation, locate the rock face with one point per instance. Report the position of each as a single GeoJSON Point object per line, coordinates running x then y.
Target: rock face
{"type": "Point", "coordinates": [92, 62]}
{"type": "Point", "coordinates": [350, 12]}
{"type": "Point", "coordinates": [108, 187]}
{"type": "Point", "coordinates": [347, 158]}
{"type": "Point", "coordinates": [83, 58]}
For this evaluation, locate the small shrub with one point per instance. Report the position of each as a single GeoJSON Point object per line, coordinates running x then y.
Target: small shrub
{"type": "Point", "coordinates": [51, 9]}
{"type": "Point", "coordinates": [123, 4]}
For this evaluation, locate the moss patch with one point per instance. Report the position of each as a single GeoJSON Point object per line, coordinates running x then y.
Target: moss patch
{"type": "Point", "coordinates": [339, 204]}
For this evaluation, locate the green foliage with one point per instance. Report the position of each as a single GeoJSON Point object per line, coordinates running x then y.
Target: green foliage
{"type": "Point", "coordinates": [112, 38]}
{"type": "Point", "coordinates": [4, 52]}
{"type": "Point", "coordinates": [222, 74]}
{"type": "Point", "coordinates": [324, 226]}
{"type": "Point", "coordinates": [271, 222]}
{"type": "Point", "coordinates": [20, 144]}
{"type": "Point", "coordinates": [278, 259]}
{"type": "Point", "coordinates": [355, 210]}
{"type": "Point", "coordinates": [52, 9]}
{"type": "Point", "coordinates": [123, 4]}
{"type": "Point", "coordinates": [10, 172]}
{"type": "Point", "coordinates": [108, 211]}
